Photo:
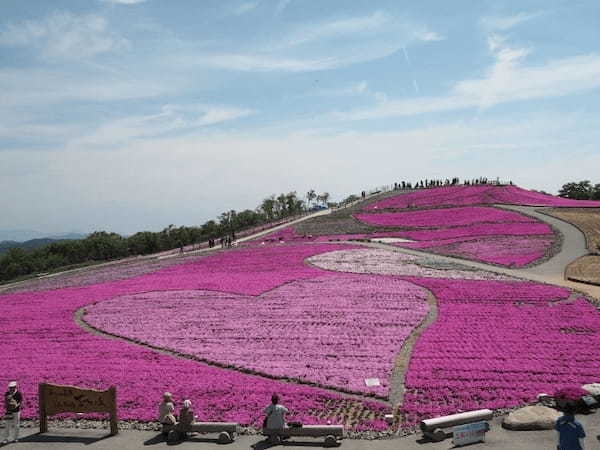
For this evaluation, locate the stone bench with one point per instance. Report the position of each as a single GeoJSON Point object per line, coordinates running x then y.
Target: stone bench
{"type": "Point", "coordinates": [433, 429]}
{"type": "Point", "coordinates": [332, 433]}
{"type": "Point", "coordinates": [226, 430]}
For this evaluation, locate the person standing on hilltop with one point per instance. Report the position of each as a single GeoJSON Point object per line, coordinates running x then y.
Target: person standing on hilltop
{"type": "Point", "coordinates": [12, 405]}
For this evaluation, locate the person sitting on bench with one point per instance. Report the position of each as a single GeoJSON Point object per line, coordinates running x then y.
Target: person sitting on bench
{"type": "Point", "coordinates": [275, 412]}
{"type": "Point", "coordinates": [165, 412]}
{"type": "Point", "coordinates": [186, 419]}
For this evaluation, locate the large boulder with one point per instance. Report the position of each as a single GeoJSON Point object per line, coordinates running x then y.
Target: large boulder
{"type": "Point", "coordinates": [593, 388]}
{"type": "Point", "coordinates": [531, 418]}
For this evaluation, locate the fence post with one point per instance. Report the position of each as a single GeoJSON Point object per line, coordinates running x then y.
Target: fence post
{"type": "Point", "coordinates": [113, 411]}
{"type": "Point", "coordinates": [42, 407]}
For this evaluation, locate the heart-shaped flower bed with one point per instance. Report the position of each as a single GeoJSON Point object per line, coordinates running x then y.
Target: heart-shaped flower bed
{"type": "Point", "coordinates": [334, 331]}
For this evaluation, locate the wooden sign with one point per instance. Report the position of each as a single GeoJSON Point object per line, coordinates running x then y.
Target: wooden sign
{"type": "Point", "coordinates": [56, 399]}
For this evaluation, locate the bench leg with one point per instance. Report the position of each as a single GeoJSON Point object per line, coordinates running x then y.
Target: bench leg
{"type": "Point", "coordinates": [225, 437]}
{"type": "Point", "coordinates": [331, 441]}
{"type": "Point", "coordinates": [436, 435]}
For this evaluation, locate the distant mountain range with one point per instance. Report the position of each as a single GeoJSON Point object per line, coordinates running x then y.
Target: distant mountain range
{"type": "Point", "coordinates": [27, 235]}
{"type": "Point", "coordinates": [14, 238]}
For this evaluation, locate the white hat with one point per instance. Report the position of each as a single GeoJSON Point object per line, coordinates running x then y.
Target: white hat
{"type": "Point", "coordinates": [12, 384]}
{"type": "Point", "coordinates": [187, 404]}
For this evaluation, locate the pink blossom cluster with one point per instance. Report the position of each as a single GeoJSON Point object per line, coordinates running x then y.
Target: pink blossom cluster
{"type": "Point", "coordinates": [440, 234]}
{"type": "Point", "coordinates": [332, 331]}
{"type": "Point", "coordinates": [475, 195]}
{"type": "Point", "coordinates": [42, 343]}
{"type": "Point", "coordinates": [571, 393]}
{"type": "Point", "coordinates": [289, 235]}
{"type": "Point", "coordinates": [385, 262]}
{"type": "Point", "coordinates": [513, 251]}
{"type": "Point", "coordinates": [498, 344]}
{"type": "Point", "coordinates": [114, 271]}
{"type": "Point", "coordinates": [476, 233]}
{"type": "Point", "coordinates": [446, 217]}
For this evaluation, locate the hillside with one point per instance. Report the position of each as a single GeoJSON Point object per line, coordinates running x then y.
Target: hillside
{"type": "Point", "coordinates": [414, 311]}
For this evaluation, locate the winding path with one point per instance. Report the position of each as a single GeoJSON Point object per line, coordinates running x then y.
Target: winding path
{"type": "Point", "coordinates": [551, 271]}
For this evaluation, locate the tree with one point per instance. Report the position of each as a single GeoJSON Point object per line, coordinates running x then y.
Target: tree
{"type": "Point", "coordinates": [310, 196]}
{"type": "Point", "coordinates": [268, 208]}
{"type": "Point", "coordinates": [578, 191]}
{"type": "Point", "coordinates": [323, 198]}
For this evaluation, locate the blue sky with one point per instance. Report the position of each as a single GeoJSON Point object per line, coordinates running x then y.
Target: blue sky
{"type": "Point", "coordinates": [129, 114]}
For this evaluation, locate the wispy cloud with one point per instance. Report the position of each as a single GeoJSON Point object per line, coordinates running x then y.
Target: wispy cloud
{"type": "Point", "coordinates": [326, 45]}
{"type": "Point", "coordinates": [171, 118]}
{"type": "Point", "coordinates": [361, 88]}
{"type": "Point", "coordinates": [509, 79]}
{"type": "Point", "coordinates": [64, 36]}
{"type": "Point", "coordinates": [502, 23]}
{"type": "Point", "coordinates": [244, 8]}
{"type": "Point", "coordinates": [336, 28]}
{"type": "Point", "coordinates": [124, 2]}
{"type": "Point", "coordinates": [26, 88]}
{"type": "Point", "coordinates": [281, 5]}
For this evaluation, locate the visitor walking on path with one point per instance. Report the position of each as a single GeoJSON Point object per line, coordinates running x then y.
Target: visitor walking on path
{"type": "Point", "coordinates": [275, 414]}
{"type": "Point", "coordinates": [12, 406]}
{"type": "Point", "coordinates": [570, 432]}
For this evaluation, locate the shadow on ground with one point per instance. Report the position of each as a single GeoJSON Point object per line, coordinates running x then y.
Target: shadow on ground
{"type": "Point", "coordinates": [53, 438]}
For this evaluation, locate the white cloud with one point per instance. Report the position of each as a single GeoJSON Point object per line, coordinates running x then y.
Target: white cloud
{"type": "Point", "coordinates": [509, 79]}
{"type": "Point", "coordinates": [281, 5]}
{"type": "Point", "coordinates": [503, 23]}
{"type": "Point", "coordinates": [171, 118]}
{"type": "Point", "coordinates": [272, 63]}
{"type": "Point", "coordinates": [355, 89]}
{"type": "Point", "coordinates": [25, 88]}
{"type": "Point", "coordinates": [64, 36]}
{"type": "Point", "coordinates": [337, 28]}
{"type": "Point", "coordinates": [322, 46]}
{"type": "Point", "coordinates": [244, 8]}
{"type": "Point", "coordinates": [171, 174]}
{"type": "Point", "coordinates": [125, 2]}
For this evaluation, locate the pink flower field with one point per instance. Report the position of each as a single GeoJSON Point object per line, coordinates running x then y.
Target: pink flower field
{"type": "Point", "coordinates": [497, 345]}
{"type": "Point", "coordinates": [512, 251]}
{"type": "Point", "coordinates": [308, 322]}
{"type": "Point", "coordinates": [449, 217]}
{"type": "Point", "coordinates": [476, 195]}
{"type": "Point", "coordinates": [42, 343]}
{"type": "Point", "coordinates": [385, 262]}
{"type": "Point", "coordinates": [333, 331]}
{"type": "Point", "coordinates": [477, 233]}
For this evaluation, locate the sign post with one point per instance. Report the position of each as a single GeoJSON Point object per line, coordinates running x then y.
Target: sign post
{"type": "Point", "coordinates": [56, 399]}
{"type": "Point", "coordinates": [470, 433]}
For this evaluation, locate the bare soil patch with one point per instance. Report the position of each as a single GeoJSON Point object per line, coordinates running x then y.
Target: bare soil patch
{"type": "Point", "coordinates": [586, 219]}
{"type": "Point", "coordinates": [585, 269]}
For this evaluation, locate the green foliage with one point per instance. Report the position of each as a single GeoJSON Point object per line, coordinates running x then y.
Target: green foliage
{"type": "Point", "coordinates": [582, 190]}
{"type": "Point", "coordinates": [103, 246]}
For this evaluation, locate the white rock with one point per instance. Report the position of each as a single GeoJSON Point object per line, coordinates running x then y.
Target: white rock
{"type": "Point", "coordinates": [593, 388]}
{"type": "Point", "coordinates": [531, 418]}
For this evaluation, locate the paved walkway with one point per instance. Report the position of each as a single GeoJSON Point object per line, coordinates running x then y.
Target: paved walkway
{"type": "Point", "coordinates": [497, 438]}
{"type": "Point", "coordinates": [551, 271]}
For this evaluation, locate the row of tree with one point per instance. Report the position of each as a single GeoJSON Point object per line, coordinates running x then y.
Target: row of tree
{"type": "Point", "coordinates": [583, 190]}
{"type": "Point", "coordinates": [103, 246]}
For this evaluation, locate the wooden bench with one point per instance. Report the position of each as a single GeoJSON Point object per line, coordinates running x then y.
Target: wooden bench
{"type": "Point", "coordinates": [332, 433]}
{"type": "Point", "coordinates": [433, 429]}
{"type": "Point", "coordinates": [226, 430]}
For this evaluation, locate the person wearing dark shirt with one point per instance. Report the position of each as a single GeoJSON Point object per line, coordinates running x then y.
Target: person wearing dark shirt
{"type": "Point", "coordinates": [12, 406]}
{"type": "Point", "coordinates": [570, 431]}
